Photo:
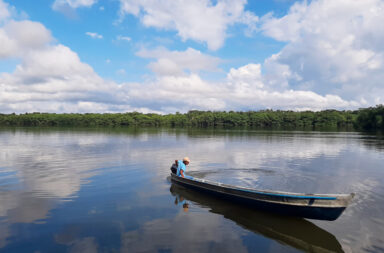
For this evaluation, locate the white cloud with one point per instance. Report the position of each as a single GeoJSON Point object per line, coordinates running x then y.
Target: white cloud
{"type": "Point", "coordinates": [332, 47]}
{"type": "Point", "coordinates": [94, 35]}
{"type": "Point", "coordinates": [53, 74]}
{"type": "Point", "coordinates": [178, 86]}
{"type": "Point", "coordinates": [58, 4]}
{"type": "Point", "coordinates": [52, 78]}
{"type": "Point", "coordinates": [243, 89]}
{"type": "Point", "coordinates": [124, 38]}
{"type": "Point", "coordinates": [4, 11]}
{"type": "Point", "coordinates": [246, 76]}
{"type": "Point", "coordinates": [318, 74]}
{"type": "Point", "coordinates": [68, 7]}
{"type": "Point", "coordinates": [201, 20]}
{"type": "Point", "coordinates": [18, 37]}
{"type": "Point", "coordinates": [177, 62]}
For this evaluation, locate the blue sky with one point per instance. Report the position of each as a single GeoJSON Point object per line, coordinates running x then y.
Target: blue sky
{"type": "Point", "coordinates": [103, 18]}
{"type": "Point", "coordinates": [166, 56]}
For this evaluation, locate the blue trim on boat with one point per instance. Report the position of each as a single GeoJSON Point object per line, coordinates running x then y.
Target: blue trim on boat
{"type": "Point", "coordinates": [272, 194]}
{"type": "Point", "coordinates": [288, 196]}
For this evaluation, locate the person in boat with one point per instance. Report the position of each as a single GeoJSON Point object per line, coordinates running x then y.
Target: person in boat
{"type": "Point", "coordinates": [181, 166]}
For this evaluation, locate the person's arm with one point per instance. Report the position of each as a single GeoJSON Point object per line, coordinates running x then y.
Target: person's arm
{"type": "Point", "coordinates": [182, 173]}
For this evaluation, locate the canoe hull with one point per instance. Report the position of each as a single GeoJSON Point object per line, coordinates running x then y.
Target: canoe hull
{"type": "Point", "coordinates": [319, 208]}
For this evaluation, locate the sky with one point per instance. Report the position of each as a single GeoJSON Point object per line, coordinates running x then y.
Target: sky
{"type": "Point", "coordinates": [167, 56]}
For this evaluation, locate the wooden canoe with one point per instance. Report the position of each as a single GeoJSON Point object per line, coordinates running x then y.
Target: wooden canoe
{"type": "Point", "coordinates": [311, 206]}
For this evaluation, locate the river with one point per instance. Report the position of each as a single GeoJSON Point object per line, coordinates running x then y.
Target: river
{"type": "Point", "coordinates": [107, 190]}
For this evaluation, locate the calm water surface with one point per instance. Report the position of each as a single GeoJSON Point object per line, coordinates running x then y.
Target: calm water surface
{"type": "Point", "coordinates": [107, 190]}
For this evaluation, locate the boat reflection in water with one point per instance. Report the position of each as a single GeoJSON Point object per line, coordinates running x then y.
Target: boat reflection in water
{"type": "Point", "coordinates": [296, 232]}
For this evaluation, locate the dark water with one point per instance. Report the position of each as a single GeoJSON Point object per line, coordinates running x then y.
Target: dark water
{"type": "Point", "coordinates": [107, 190]}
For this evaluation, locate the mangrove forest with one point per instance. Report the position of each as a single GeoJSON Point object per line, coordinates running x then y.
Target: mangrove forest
{"type": "Point", "coordinates": [363, 119]}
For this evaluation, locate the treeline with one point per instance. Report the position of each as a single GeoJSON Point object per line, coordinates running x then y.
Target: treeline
{"type": "Point", "coordinates": [367, 118]}
{"type": "Point", "coordinates": [371, 118]}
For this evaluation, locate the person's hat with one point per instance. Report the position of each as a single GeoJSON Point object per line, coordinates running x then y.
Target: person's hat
{"type": "Point", "coordinates": [186, 159]}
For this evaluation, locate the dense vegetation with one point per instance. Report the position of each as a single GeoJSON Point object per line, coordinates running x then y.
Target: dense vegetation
{"type": "Point", "coordinates": [371, 118]}
{"type": "Point", "coordinates": [367, 118]}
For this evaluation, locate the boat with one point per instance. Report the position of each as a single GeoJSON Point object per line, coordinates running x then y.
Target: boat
{"type": "Point", "coordinates": [310, 206]}
{"type": "Point", "coordinates": [306, 236]}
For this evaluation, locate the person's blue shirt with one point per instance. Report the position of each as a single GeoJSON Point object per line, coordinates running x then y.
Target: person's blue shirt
{"type": "Point", "coordinates": [180, 166]}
